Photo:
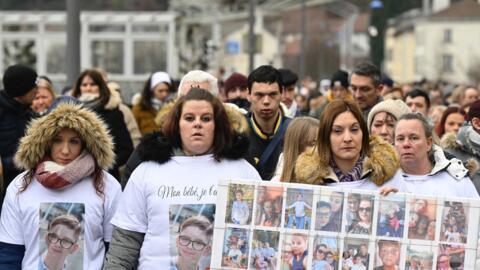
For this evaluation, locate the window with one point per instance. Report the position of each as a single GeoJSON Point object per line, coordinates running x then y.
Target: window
{"type": "Point", "coordinates": [447, 63]}
{"type": "Point", "coordinates": [447, 36]}
{"type": "Point", "coordinates": [149, 56]}
{"type": "Point", "coordinates": [19, 51]}
{"type": "Point", "coordinates": [108, 54]}
{"type": "Point", "coordinates": [56, 56]}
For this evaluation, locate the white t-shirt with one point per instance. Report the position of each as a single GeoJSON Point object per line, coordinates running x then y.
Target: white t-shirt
{"type": "Point", "coordinates": [153, 189]}
{"type": "Point", "coordinates": [25, 218]}
{"type": "Point", "coordinates": [396, 181]}
{"type": "Point", "coordinates": [441, 185]}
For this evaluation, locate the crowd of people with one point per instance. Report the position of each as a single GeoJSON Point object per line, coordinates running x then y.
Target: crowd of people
{"type": "Point", "coordinates": [127, 164]}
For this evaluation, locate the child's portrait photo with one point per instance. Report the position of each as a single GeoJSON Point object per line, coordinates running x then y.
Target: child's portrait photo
{"type": "Point", "coordinates": [297, 258]}
{"type": "Point", "coordinates": [235, 248]}
{"type": "Point", "coordinates": [191, 231]}
{"type": "Point", "coordinates": [422, 219]}
{"type": "Point", "coordinates": [239, 206]}
{"type": "Point", "coordinates": [454, 222]}
{"type": "Point", "coordinates": [269, 204]}
{"type": "Point", "coordinates": [61, 236]}
{"type": "Point", "coordinates": [264, 250]}
{"type": "Point", "coordinates": [391, 216]}
{"type": "Point", "coordinates": [298, 208]}
{"type": "Point", "coordinates": [329, 211]}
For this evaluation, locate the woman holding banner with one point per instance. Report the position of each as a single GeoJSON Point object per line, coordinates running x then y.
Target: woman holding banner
{"type": "Point", "coordinates": [196, 147]}
{"type": "Point", "coordinates": [345, 156]}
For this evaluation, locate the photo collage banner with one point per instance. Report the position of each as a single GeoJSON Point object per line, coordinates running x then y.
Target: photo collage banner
{"type": "Point", "coordinates": [268, 226]}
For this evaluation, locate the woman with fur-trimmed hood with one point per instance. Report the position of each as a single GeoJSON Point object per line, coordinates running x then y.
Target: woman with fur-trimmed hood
{"type": "Point", "coordinates": [345, 156]}
{"type": "Point", "coordinates": [181, 167]}
{"type": "Point", "coordinates": [64, 155]}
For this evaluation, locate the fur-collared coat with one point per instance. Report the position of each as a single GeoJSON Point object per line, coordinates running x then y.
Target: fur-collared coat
{"type": "Point", "coordinates": [41, 131]}
{"type": "Point", "coordinates": [379, 166]}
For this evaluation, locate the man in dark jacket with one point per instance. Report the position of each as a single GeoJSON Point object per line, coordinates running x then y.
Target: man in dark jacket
{"type": "Point", "coordinates": [267, 121]}
{"type": "Point", "coordinates": [20, 87]}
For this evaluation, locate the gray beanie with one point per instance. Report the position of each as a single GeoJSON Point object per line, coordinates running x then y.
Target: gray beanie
{"type": "Point", "coordinates": [395, 107]}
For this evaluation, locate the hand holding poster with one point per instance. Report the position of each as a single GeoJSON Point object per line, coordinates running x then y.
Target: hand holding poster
{"type": "Point", "coordinates": [294, 226]}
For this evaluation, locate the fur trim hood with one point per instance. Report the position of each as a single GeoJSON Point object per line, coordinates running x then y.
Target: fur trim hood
{"type": "Point", "coordinates": [381, 165]}
{"type": "Point", "coordinates": [114, 100]}
{"type": "Point", "coordinates": [40, 132]}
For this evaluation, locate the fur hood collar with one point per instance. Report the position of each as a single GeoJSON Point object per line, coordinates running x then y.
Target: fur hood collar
{"type": "Point", "coordinates": [114, 100]}
{"type": "Point", "coordinates": [156, 147]}
{"type": "Point", "coordinates": [40, 132]}
{"type": "Point", "coordinates": [381, 165]}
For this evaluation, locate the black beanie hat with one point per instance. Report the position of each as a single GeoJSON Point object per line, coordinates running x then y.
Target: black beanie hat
{"type": "Point", "coordinates": [19, 80]}
{"type": "Point", "coordinates": [339, 77]}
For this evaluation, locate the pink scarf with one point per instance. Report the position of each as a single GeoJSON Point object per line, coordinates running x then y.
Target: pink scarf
{"type": "Point", "coordinates": [55, 176]}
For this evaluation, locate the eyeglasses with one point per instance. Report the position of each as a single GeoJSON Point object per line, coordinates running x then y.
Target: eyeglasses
{"type": "Point", "coordinates": [364, 209]}
{"type": "Point", "coordinates": [196, 245]}
{"type": "Point", "coordinates": [64, 243]}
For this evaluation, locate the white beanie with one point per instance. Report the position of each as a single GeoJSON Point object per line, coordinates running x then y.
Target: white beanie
{"type": "Point", "coordinates": [159, 77]}
{"type": "Point", "coordinates": [395, 107]}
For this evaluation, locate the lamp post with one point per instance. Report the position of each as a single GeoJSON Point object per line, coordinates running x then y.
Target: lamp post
{"type": "Point", "coordinates": [376, 31]}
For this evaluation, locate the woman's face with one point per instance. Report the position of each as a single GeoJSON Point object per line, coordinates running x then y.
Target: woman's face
{"type": "Point", "coordinates": [365, 211]}
{"type": "Point", "coordinates": [336, 201]}
{"type": "Point", "coordinates": [160, 91]}
{"type": "Point", "coordinates": [66, 146]}
{"type": "Point", "coordinates": [383, 125]}
{"type": "Point", "coordinates": [197, 127]}
{"type": "Point", "coordinates": [453, 122]}
{"type": "Point", "coordinates": [89, 86]}
{"type": "Point", "coordinates": [43, 100]}
{"type": "Point", "coordinates": [346, 137]}
{"type": "Point", "coordinates": [192, 243]}
{"type": "Point", "coordinates": [420, 206]}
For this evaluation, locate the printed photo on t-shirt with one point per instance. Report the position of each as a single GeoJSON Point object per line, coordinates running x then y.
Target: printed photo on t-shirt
{"type": "Point", "coordinates": [264, 251]}
{"type": "Point", "coordinates": [454, 222]}
{"type": "Point", "coordinates": [191, 233]}
{"type": "Point", "coordinates": [61, 232]}
{"type": "Point", "coordinates": [298, 209]}
{"type": "Point", "coordinates": [235, 248]}
{"type": "Point", "coordinates": [268, 205]}
{"type": "Point", "coordinates": [239, 206]}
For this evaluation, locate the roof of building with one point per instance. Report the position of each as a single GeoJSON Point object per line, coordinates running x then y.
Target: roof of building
{"type": "Point", "coordinates": [465, 9]}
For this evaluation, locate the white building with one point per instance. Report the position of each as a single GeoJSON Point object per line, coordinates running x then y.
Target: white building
{"type": "Point", "coordinates": [128, 45]}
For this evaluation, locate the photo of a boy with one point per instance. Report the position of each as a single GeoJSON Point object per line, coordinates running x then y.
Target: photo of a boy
{"type": "Point", "coordinates": [239, 204]}
{"type": "Point", "coordinates": [299, 250]}
{"type": "Point", "coordinates": [299, 209]}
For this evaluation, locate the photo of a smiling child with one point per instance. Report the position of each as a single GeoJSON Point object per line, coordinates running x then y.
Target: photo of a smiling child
{"type": "Point", "coordinates": [239, 206]}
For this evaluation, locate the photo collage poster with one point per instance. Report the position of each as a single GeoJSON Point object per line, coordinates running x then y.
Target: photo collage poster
{"type": "Point", "coordinates": [271, 226]}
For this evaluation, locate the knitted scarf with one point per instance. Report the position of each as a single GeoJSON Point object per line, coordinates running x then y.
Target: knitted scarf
{"type": "Point", "coordinates": [354, 174]}
{"type": "Point", "coordinates": [55, 176]}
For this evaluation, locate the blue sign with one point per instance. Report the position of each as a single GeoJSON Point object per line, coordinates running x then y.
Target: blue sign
{"type": "Point", "coordinates": [232, 47]}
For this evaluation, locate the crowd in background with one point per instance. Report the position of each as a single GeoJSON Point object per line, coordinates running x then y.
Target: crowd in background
{"type": "Point", "coordinates": [357, 129]}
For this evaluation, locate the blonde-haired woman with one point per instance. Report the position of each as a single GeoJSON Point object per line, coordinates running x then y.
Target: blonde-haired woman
{"type": "Point", "coordinates": [300, 134]}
